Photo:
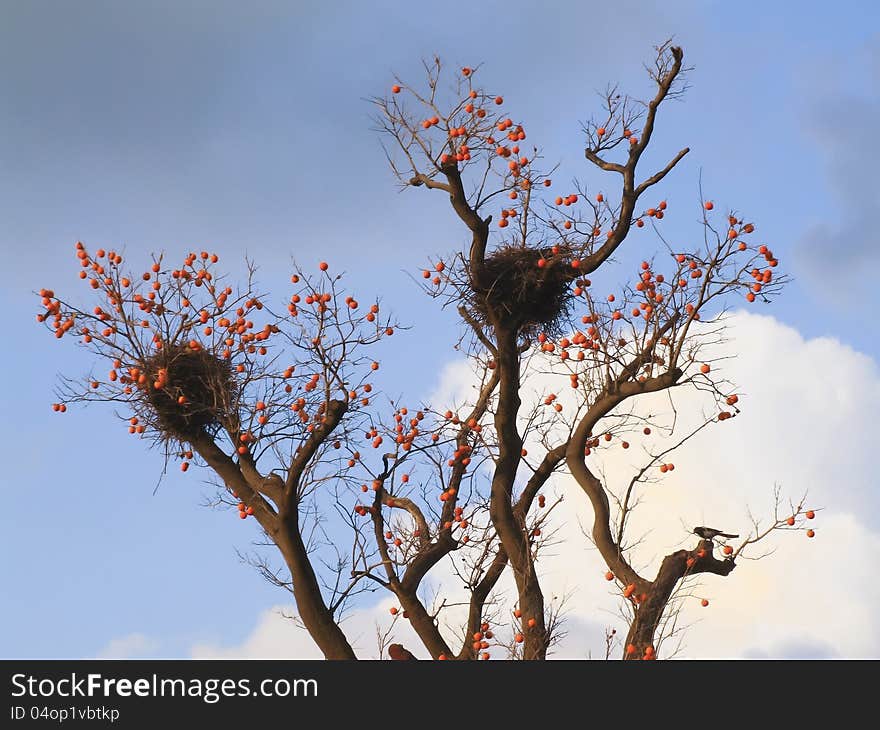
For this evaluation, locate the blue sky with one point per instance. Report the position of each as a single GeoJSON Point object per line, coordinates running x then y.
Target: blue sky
{"type": "Point", "coordinates": [245, 129]}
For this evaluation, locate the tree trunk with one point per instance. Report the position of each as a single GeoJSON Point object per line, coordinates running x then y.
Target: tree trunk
{"type": "Point", "coordinates": [510, 531]}
{"type": "Point", "coordinates": [423, 624]}
{"type": "Point", "coordinates": [649, 611]}
{"type": "Point", "coordinates": [651, 604]}
{"type": "Point", "coordinates": [316, 617]}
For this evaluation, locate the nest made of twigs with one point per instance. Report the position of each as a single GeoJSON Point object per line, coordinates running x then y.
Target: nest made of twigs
{"type": "Point", "coordinates": [197, 391]}
{"type": "Point", "coordinates": [514, 289]}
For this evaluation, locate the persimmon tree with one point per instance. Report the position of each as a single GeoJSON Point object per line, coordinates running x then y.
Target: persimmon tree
{"type": "Point", "coordinates": [280, 406]}
{"type": "Point", "coordinates": [277, 399]}
{"type": "Point", "coordinates": [528, 299]}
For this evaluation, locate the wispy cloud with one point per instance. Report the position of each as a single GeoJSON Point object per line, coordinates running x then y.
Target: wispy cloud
{"type": "Point", "coordinates": [841, 123]}
{"type": "Point", "coordinates": [131, 646]}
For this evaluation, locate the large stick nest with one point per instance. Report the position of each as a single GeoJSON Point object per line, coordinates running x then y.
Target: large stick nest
{"type": "Point", "coordinates": [206, 384]}
{"type": "Point", "coordinates": [513, 289]}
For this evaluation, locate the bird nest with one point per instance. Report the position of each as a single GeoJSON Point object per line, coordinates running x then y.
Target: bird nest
{"type": "Point", "coordinates": [197, 391]}
{"type": "Point", "coordinates": [516, 291]}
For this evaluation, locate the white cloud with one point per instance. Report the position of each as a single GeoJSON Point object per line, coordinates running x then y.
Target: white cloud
{"type": "Point", "coordinates": [276, 636]}
{"type": "Point", "coordinates": [128, 647]}
{"type": "Point", "coordinates": [808, 424]}
{"type": "Point", "coordinates": [273, 637]}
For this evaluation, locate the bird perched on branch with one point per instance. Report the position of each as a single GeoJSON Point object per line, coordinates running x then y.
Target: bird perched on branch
{"type": "Point", "coordinates": [399, 653]}
{"type": "Point", "coordinates": [710, 533]}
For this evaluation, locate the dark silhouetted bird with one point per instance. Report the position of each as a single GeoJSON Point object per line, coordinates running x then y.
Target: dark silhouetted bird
{"type": "Point", "coordinates": [399, 653]}
{"type": "Point", "coordinates": [710, 533]}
